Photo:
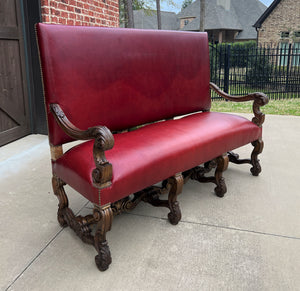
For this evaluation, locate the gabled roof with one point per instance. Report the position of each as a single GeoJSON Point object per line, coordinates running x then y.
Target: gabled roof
{"type": "Point", "coordinates": [265, 15]}
{"type": "Point", "coordinates": [216, 17]}
{"type": "Point", "coordinates": [238, 15]}
{"type": "Point", "coordinates": [148, 20]}
{"type": "Point", "coordinates": [247, 16]}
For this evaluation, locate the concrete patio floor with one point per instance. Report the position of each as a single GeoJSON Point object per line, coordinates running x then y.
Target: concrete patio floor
{"type": "Point", "coordinates": [248, 240]}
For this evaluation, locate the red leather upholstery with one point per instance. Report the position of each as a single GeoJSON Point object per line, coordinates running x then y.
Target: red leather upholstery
{"type": "Point", "coordinates": [155, 152]}
{"type": "Point", "coordinates": [121, 77]}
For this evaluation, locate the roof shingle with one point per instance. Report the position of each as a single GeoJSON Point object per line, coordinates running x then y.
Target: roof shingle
{"type": "Point", "coordinates": [240, 16]}
{"type": "Point", "coordinates": [148, 20]}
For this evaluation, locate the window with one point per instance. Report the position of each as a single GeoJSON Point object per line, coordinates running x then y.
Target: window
{"type": "Point", "coordinates": [285, 34]}
{"type": "Point", "coordinates": [292, 54]}
{"type": "Point", "coordinates": [296, 54]}
{"type": "Point", "coordinates": [284, 51]}
{"type": "Point", "coordinates": [297, 33]}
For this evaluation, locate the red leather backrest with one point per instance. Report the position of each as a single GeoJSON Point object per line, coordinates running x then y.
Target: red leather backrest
{"type": "Point", "coordinates": [121, 78]}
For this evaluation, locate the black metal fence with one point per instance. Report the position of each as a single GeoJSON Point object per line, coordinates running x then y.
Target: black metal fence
{"type": "Point", "coordinates": [241, 69]}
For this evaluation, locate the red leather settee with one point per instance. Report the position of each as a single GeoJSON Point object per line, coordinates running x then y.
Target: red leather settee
{"type": "Point", "coordinates": [100, 82]}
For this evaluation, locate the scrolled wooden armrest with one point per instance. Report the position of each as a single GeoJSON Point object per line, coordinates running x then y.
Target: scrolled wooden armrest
{"type": "Point", "coordinates": [104, 140]}
{"type": "Point", "coordinates": [259, 99]}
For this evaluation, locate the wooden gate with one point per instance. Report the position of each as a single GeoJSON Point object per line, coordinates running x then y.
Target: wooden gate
{"type": "Point", "coordinates": [14, 111]}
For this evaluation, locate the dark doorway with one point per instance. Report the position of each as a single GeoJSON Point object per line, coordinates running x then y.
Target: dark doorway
{"type": "Point", "coordinates": [32, 15]}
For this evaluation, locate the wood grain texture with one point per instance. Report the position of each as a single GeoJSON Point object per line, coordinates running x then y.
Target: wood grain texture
{"type": "Point", "coordinates": [56, 152]}
{"type": "Point", "coordinates": [14, 104]}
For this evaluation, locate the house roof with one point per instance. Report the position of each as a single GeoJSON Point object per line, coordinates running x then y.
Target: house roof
{"type": "Point", "coordinates": [232, 15]}
{"type": "Point", "coordinates": [265, 15]}
{"type": "Point", "coordinates": [248, 16]}
{"type": "Point", "coordinates": [216, 17]}
{"type": "Point", "coordinates": [148, 20]}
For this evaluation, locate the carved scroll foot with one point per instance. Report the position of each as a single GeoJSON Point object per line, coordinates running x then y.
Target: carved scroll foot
{"type": "Point", "coordinates": [254, 161]}
{"type": "Point", "coordinates": [258, 148]}
{"type": "Point", "coordinates": [221, 164]}
{"type": "Point", "coordinates": [176, 182]}
{"type": "Point", "coordinates": [103, 216]}
{"type": "Point", "coordinates": [103, 259]}
{"type": "Point", "coordinates": [175, 215]}
{"type": "Point", "coordinates": [173, 186]}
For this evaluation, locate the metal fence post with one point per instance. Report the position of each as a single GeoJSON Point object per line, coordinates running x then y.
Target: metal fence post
{"type": "Point", "coordinates": [226, 68]}
{"type": "Point", "coordinates": [288, 68]}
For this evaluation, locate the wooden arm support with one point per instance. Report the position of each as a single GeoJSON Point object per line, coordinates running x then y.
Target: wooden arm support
{"type": "Point", "coordinates": [104, 140]}
{"type": "Point", "coordinates": [259, 99]}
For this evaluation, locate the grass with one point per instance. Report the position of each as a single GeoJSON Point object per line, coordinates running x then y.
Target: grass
{"type": "Point", "coordinates": [277, 107]}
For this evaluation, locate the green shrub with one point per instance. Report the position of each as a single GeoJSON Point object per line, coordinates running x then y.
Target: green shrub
{"type": "Point", "coordinates": [239, 53]}
{"type": "Point", "coordinates": [259, 69]}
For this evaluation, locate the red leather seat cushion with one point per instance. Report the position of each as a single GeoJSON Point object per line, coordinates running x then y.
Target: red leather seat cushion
{"type": "Point", "coordinates": [155, 152]}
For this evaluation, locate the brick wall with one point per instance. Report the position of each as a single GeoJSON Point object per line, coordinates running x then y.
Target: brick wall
{"type": "Point", "coordinates": [285, 17]}
{"type": "Point", "coordinates": [81, 12]}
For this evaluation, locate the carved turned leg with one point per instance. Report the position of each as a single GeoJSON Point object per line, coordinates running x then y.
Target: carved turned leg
{"type": "Point", "coordinates": [66, 217]}
{"type": "Point", "coordinates": [221, 164]}
{"type": "Point", "coordinates": [63, 203]}
{"type": "Point", "coordinates": [254, 161]}
{"type": "Point", "coordinates": [173, 186]}
{"type": "Point", "coordinates": [176, 182]}
{"type": "Point", "coordinates": [103, 216]}
{"type": "Point", "coordinates": [258, 148]}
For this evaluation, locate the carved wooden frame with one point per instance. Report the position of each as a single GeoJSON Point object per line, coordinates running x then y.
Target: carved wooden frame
{"type": "Point", "coordinates": [104, 140]}
{"type": "Point", "coordinates": [102, 174]}
{"type": "Point", "coordinates": [172, 186]}
{"type": "Point", "coordinates": [254, 161]}
{"type": "Point", "coordinates": [103, 215]}
{"type": "Point", "coordinates": [198, 173]}
{"type": "Point", "coordinates": [259, 99]}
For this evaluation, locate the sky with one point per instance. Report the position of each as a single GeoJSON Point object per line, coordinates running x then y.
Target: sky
{"type": "Point", "coordinates": [166, 7]}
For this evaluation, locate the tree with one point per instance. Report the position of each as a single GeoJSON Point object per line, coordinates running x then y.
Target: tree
{"type": "Point", "coordinates": [126, 12]}
{"type": "Point", "coordinates": [126, 8]}
{"type": "Point", "coordinates": [130, 14]}
{"type": "Point", "coordinates": [186, 3]}
{"type": "Point", "coordinates": [158, 14]}
{"type": "Point", "coordinates": [139, 4]}
{"type": "Point", "coordinates": [202, 14]}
